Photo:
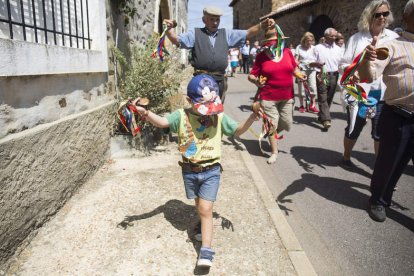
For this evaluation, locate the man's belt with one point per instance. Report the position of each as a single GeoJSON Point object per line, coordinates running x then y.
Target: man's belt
{"type": "Point", "coordinates": [202, 71]}
{"type": "Point", "coordinates": [334, 73]}
{"type": "Point", "coordinates": [402, 111]}
{"type": "Point", "coordinates": [190, 167]}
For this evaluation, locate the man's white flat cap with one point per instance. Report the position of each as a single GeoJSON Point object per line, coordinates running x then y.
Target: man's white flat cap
{"type": "Point", "coordinates": [213, 11]}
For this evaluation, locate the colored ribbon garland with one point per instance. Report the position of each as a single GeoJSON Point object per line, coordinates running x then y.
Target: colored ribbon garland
{"type": "Point", "coordinates": [267, 129]}
{"type": "Point", "coordinates": [359, 104]}
{"type": "Point", "coordinates": [161, 50]}
{"type": "Point", "coordinates": [127, 116]}
{"type": "Point", "coordinates": [279, 46]}
{"type": "Point", "coordinates": [308, 95]}
{"type": "Point", "coordinates": [352, 87]}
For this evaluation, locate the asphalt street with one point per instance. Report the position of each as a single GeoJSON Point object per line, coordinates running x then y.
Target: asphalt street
{"type": "Point", "coordinates": [326, 204]}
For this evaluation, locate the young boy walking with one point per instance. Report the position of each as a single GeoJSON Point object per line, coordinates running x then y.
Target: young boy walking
{"type": "Point", "coordinates": [200, 129]}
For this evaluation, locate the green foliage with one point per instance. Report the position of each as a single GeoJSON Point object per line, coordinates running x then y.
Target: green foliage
{"type": "Point", "coordinates": [149, 77]}
{"type": "Point", "coordinates": [145, 76]}
{"type": "Point", "coordinates": [119, 56]}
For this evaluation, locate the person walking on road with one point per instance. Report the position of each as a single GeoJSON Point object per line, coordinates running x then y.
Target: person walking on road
{"type": "Point", "coordinates": [276, 66]}
{"type": "Point", "coordinates": [327, 56]}
{"type": "Point", "coordinates": [210, 45]}
{"type": "Point", "coordinates": [234, 60]}
{"type": "Point", "coordinates": [304, 57]}
{"type": "Point", "coordinates": [396, 122]}
{"type": "Point", "coordinates": [373, 22]}
{"type": "Point", "coordinates": [254, 52]}
{"type": "Point", "coordinates": [200, 129]}
{"type": "Point", "coordinates": [245, 54]}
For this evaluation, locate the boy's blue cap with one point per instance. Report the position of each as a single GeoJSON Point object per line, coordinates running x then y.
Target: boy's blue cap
{"type": "Point", "coordinates": [203, 91]}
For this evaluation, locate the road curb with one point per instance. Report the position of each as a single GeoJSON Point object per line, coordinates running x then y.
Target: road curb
{"type": "Point", "coordinates": [296, 254]}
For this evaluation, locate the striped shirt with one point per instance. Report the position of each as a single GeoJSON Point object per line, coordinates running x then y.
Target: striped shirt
{"type": "Point", "coordinates": [398, 71]}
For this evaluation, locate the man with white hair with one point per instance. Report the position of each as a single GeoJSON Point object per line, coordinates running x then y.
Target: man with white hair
{"type": "Point", "coordinates": [396, 122]}
{"type": "Point", "coordinates": [210, 45]}
{"type": "Point", "coordinates": [327, 56]}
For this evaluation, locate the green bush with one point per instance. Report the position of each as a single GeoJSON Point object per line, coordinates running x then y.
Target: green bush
{"type": "Point", "coordinates": [145, 76]}
{"type": "Point", "coordinates": [149, 77]}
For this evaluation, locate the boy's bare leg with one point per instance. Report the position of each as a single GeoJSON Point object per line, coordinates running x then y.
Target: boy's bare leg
{"type": "Point", "coordinates": [205, 212]}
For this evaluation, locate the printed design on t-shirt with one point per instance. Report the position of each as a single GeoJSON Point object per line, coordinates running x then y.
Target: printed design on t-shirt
{"type": "Point", "coordinates": [191, 150]}
{"type": "Point", "coordinates": [187, 145]}
{"type": "Point", "coordinates": [200, 137]}
{"type": "Point", "coordinates": [206, 122]}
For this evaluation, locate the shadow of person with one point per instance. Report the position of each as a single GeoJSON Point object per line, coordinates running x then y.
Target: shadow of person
{"type": "Point", "coordinates": [309, 121]}
{"type": "Point", "coordinates": [182, 217]}
{"type": "Point", "coordinates": [338, 115]}
{"type": "Point", "coordinates": [308, 156]}
{"type": "Point", "coordinates": [253, 148]}
{"type": "Point", "coordinates": [340, 191]}
{"type": "Point", "coordinates": [365, 157]}
{"type": "Point", "coordinates": [245, 108]}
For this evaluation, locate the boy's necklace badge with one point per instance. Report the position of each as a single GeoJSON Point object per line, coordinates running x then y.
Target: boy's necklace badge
{"type": "Point", "coordinates": [206, 122]}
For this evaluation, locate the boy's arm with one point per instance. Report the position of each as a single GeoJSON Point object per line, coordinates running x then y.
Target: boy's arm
{"type": "Point", "coordinates": [151, 117]}
{"type": "Point", "coordinates": [244, 126]}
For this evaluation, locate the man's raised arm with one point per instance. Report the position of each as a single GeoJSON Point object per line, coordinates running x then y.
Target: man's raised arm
{"type": "Point", "coordinates": [172, 36]}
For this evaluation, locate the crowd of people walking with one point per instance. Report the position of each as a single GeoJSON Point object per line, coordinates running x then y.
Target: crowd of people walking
{"type": "Point", "coordinates": [317, 68]}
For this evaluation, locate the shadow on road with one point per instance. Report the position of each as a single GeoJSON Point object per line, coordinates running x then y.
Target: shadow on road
{"type": "Point", "coordinates": [245, 108]}
{"type": "Point", "coordinates": [182, 217]}
{"type": "Point", "coordinates": [338, 115]}
{"type": "Point", "coordinates": [252, 146]}
{"type": "Point", "coordinates": [309, 121]}
{"type": "Point", "coordinates": [308, 157]}
{"type": "Point", "coordinates": [340, 191]}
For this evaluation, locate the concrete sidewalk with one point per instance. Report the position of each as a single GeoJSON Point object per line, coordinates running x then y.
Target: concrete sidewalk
{"type": "Point", "coordinates": [132, 218]}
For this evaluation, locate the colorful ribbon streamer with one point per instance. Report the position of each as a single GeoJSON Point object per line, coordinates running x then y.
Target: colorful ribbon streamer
{"type": "Point", "coordinates": [352, 87]}
{"type": "Point", "coordinates": [161, 50]}
{"type": "Point", "coordinates": [127, 115]}
{"type": "Point", "coordinates": [359, 103]}
{"type": "Point", "coordinates": [279, 46]}
{"type": "Point", "coordinates": [308, 95]}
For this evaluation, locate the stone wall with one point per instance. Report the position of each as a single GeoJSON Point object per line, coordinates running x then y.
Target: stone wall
{"type": "Point", "coordinates": [43, 166]}
{"type": "Point", "coordinates": [344, 15]}
{"type": "Point", "coordinates": [246, 13]}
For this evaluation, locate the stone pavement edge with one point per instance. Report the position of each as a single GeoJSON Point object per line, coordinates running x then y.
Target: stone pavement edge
{"type": "Point", "coordinates": [132, 218]}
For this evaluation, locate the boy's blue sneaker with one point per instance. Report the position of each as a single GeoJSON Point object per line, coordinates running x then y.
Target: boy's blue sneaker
{"type": "Point", "coordinates": [197, 231]}
{"type": "Point", "coordinates": [206, 257]}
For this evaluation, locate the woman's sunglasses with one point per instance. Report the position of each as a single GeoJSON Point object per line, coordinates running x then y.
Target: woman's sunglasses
{"type": "Point", "coordinates": [384, 14]}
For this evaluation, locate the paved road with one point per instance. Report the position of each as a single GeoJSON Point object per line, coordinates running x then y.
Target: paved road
{"type": "Point", "coordinates": [325, 204]}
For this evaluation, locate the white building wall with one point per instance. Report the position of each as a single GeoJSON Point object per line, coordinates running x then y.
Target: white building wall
{"type": "Point", "coordinates": [53, 59]}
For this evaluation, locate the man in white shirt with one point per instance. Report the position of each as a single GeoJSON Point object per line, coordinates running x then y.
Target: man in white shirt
{"type": "Point", "coordinates": [253, 52]}
{"type": "Point", "coordinates": [245, 53]}
{"type": "Point", "coordinates": [327, 56]}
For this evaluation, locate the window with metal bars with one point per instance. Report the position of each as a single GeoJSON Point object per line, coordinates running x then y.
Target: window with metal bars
{"type": "Point", "coordinates": [52, 22]}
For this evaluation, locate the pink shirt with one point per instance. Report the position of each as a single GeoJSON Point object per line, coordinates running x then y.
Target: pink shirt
{"type": "Point", "coordinates": [279, 83]}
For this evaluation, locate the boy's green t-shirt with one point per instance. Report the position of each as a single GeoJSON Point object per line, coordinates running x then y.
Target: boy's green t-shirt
{"type": "Point", "coordinates": [200, 141]}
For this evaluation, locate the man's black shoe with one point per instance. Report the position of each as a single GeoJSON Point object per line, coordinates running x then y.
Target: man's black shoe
{"type": "Point", "coordinates": [377, 212]}
{"type": "Point", "coordinates": [347, 164]}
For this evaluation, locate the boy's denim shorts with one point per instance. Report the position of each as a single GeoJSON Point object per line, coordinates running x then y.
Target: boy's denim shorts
{"type": "Point", "coordinates": [203, 184]}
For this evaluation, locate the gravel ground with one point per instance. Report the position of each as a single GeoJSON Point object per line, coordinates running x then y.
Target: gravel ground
{"type": "Point", "coordinates": [132, 218]}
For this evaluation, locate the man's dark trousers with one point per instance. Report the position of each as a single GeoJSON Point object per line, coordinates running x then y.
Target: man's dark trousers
{"type": "Point", "coordinates": [245, 60]}
{"type": "Point", "coordinates": [395, 151]}
{"type": "Point", "coordinates": [326, 94]}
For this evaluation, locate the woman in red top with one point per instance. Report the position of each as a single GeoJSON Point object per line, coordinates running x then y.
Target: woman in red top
{"type": "Point", "coordinates": [273, 75]}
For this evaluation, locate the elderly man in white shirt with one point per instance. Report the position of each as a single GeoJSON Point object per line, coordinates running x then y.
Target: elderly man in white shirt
{"type": "Point", "coordinates": [327, 56]}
